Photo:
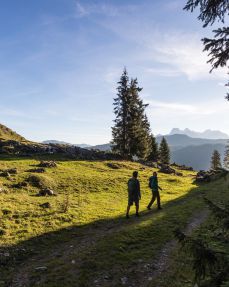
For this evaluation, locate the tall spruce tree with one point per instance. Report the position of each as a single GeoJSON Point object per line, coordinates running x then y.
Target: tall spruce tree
{"type": "Point", "coordinates": [164, 152]}
{"type": "Point", "coordinates": [226, 157]}
{"type": "Point", "coordinates": [122, 110]}
{"type": "Point", "coordinates": [131, 133]}
{"type": "Point", "coordinates": [154, 152]}
{"type": "Point", "coordinates": [215, 160]}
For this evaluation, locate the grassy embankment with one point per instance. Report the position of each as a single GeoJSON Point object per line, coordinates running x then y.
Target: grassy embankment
{"type": "Point", "coordinates": [90, 243]}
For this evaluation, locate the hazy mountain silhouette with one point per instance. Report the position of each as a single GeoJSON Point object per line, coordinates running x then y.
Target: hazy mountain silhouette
{"type": "Point", "coordinates": [195, 152]}
{"type": "Point", "coordinates": [207, 134]}
{"type": "Point", "coordinates": [65, 143]}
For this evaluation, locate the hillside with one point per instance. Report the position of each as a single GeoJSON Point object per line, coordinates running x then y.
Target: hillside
{"type": "Point", "coordinates": [8, 134]}
{"type": "Point", "coordinates": [82, 237]}
{"type": "Point", "coordinates": [199, 157]}
{"type": "Point", "coordinates": [195, 152]}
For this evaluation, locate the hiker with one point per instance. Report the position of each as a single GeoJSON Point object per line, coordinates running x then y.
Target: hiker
{"type": "Point", "coordinates": [153, 184]}
{"type": "Point", "coordinates": [134, 194]}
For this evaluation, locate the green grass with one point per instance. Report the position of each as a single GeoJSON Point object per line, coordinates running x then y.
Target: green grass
{"type": "Point", "coordinates": [92, 233]}
{"type": "Point", "coordinates": [94, 191]}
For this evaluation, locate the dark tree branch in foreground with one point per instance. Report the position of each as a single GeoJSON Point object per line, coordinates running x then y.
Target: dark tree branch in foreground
{"type": "Point", "coordinates": [218, 47]}
{"type": "Point", "coordinates": [210, 10]}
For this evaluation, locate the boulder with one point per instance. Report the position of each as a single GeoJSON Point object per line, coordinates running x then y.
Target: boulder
{"type": "Point", "coordinates": [45, 205]}
{"type": "Point", "coordinates": [50, 163]}
{"type": "Point", "coordinates": [46, 191]}
{"type": "Point", "coordinates": [167, 169]}
{"type": "Point", "coordinates": [20, 184]}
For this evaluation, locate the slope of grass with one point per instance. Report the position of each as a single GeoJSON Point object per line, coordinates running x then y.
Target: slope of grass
{"type": "Point", "coordinates": [92, 191]}
{"type": "Point", "coordinates": [8, 134]}
{"type": "Point", "coordinates": [83, 239]}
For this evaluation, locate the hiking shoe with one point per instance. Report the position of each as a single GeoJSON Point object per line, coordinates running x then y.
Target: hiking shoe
{"type": "Point", "coordinates": [159, 208]}
{"type": "Point", "coordinates": [127, 216]}
{"type": "Point", "coordinates": [137, 215]}
{"type": "Point", "coordinates": [149, 208]}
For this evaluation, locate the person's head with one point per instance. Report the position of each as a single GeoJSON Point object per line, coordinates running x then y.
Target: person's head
{"type": "Point", "coordinates": [135, 174]}
{"type": "Point", "coordinates": [154, 173]}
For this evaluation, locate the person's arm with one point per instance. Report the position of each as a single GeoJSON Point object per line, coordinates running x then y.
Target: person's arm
{"type": "Point", "coordinates": [139, 191]}
{"type": "Point", "coordinates": [159, 187]}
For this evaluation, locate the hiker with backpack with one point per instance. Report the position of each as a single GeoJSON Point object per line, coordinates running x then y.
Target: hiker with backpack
{"type": "Point", "coordinates": [153, 185]}
{"type": "Point", "coordinates": [134, 194]}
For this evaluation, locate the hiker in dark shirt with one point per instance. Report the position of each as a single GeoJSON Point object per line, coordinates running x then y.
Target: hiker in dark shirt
{"type": "Point", "coordinates": [153, 184]}
{"type": "Point", "coordinates": [134, 194]}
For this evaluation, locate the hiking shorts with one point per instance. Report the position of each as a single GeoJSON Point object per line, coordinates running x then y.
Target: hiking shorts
{"type": "Point", "coordinates": [133, 199]}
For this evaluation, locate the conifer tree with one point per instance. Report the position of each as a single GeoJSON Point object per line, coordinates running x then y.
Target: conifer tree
{"type": "Point", "coordinates": [215, 160]}
{"type": "Point", "coordinates": [164, 152]}
{"type": "Point", "coordinates": [140, 128]}
{"type": "Point", "coordinates": [226, 157]}
{"type": "Point", "coordinates": [121, 110]}
{"type": "Point", "coordinates": [154, 152]}
{"type": "Point", "coordinates": [131, 133]}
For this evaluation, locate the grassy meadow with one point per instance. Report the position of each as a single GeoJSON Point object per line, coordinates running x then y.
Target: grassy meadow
{"type": "Point", "coordinates": [83, 238]}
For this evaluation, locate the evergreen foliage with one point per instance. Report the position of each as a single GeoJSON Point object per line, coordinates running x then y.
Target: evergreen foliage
{"type": "Point", "coordinates": [226, 157]}
{"type": "Point", "coordinates": [210, 263]}
{"type": "Point", "coordinates": [164, 152]}
{"type": "Point", "coordinates": [218, 47]}
{"type": "Point", "coordinates": [215, 160]}
{"type": "Point", "coordinates": [131, 132]}
{"type": "Point", "coordinates": [154, 152]}
{"type": "Point", "coordinates": [121, 106]}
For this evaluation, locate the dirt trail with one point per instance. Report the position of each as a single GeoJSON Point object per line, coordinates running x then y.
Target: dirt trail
{"type": "Point", "coordinates": [148, 273]}
{"type": "Point", "coordinates": [152, 270]}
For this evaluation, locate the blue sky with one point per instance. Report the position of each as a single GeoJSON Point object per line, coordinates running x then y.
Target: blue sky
{"type": "Point", "coordinates": [60, 61]}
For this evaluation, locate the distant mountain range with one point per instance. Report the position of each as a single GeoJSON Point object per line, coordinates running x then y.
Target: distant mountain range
{"type": "Point", "coordinates": [195, 152]}
{"type": "Point", "coordinates": [208, 134]}
{"type": "Point", "coordinates": [65, 143]}
{"type": "Point", "coordinates": [187, 147]}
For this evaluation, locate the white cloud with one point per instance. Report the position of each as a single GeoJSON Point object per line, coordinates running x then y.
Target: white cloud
{"type": "Point", "coordinates": [166, 115]}
{"type": "Point", "coordinates": [202, 108]}
{"type": "Point", "coordinates": [184, 53]}
{"type": "Point", "coordinates": [163, 72]}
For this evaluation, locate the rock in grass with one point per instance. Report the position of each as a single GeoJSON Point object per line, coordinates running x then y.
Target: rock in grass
{"type": "Point", "coordinates": [12, 170]}
{"type": "Point", "coordinates": [37, 170]}
{"type": "Point", "coordinates": [41, 268]}
{"type": "Point", "coordinates": [3, 190]}
{"type": "Point", "coordinates": [45, 205]}
{"type": "Point", "coordinates": [5, 174]}
{"type": "Point", "coordinates": [50, 163]}
{"type": "Point", "coordinates": [20, 184]}
{"type": "Point", "coordinates": [124, 280]}
{"type": "Point", "coordinates": [46, 191]}
{"type": "Point", "coordinates": [2, 232]}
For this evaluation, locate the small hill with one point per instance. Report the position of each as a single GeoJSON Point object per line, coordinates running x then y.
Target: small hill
{"type": "Point", "coordinates": [8, 134]}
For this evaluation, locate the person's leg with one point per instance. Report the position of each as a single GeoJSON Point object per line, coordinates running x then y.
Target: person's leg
{"type": "Point", "coordinates": [137, 208]}
{"type": "Point", "coordinates": [158, 200]}
{"type": "Point", "coordinates": [152, 200]}
{"type": "Point", "coordinates": [127, 211]}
